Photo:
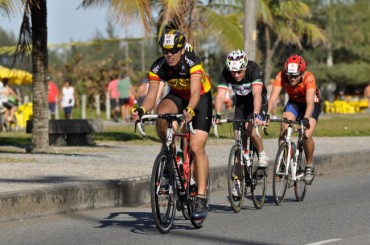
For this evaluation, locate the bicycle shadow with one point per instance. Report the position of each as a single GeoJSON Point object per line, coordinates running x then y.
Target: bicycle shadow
{"type": "Point", "coordinates": [141, 222]}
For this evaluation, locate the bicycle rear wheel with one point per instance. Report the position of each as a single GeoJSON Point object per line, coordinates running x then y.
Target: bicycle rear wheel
{"type": "Point", "coordinates": [259, 183]}
{"type": "Point", "coordinates": [300, 186]}
{"type": "Point", "coordinates": [280, 178]}
{"type": "Point", "coordinates": [236, 177]}
{"type": "Point", "coordinates": [163, 193]}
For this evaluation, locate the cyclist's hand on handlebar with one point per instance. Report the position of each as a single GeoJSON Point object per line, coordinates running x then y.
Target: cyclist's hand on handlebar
{"type": "Point", "coordinates": [216, 119]}
{"type": "Point", "coordinates": [306, 123]}
{"type": "Point", "coordinates": [189, 114]}
{"type": "Point", "coordinates": [267, 120]}
{"type": "Point", "coordinates": [257, 119]}
{"type": "Point", "coordinates": [137, 113]}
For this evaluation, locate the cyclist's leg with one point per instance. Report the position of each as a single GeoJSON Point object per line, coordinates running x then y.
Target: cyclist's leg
{"type": "Point", "coordinates": [197, 145]}
{"type": "Point", "coordinates": [309, 145]}
{"type": "Point", "coordinates": [167, 105]}
{"type": "Point", "coordinates": [201, 124]}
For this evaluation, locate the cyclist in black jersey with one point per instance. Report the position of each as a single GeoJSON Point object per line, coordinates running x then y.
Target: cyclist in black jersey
{"type": "Point", "coordinates": [245, 79]}
{"type": "Point", "coordinates": [190, 94]}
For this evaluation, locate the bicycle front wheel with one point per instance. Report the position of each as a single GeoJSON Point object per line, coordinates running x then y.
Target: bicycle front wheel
{"type": "Point", "coordinates": [258, 186]}
{"type": "Point", "coordinates": [280, 178]}
{"type": "Point", "coordinates": [300, 186]}
{"type": "Point", "coordinates": [236, 178]}
{"type": "Point", "coordinates": [163, 193]}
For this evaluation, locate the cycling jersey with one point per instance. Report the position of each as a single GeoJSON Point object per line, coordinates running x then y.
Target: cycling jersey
{"type": "Point", "coordinates": [178, 77]}
{"type": "Point", "coordinates": [298, 93]}
{"type": "Point", "coordinates": [243, 88]}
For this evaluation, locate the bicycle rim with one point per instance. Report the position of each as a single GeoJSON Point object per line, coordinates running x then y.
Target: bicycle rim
{"type": "Point", "coordinates": [163, 193]}
{"type": "Point", "coordinates": [258, 187]}
{"type": "Point", "coordinates": [280, 179]}
{"type": "Point", "coordinates": [236, 201]}
{"type": "Point", "coordinates": [300, 186]}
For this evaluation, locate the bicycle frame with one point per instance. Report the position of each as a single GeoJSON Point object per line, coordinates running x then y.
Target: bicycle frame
{"type": "Point", "coordinates": [292, 157]}
{"type": "Point", "coordinates": [171, 135]}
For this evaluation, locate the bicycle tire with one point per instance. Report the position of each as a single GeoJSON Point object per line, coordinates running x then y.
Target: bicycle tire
{"type": "Point", "coordinates": [199, 222]}
{"type": "Point", "coordinates": [163, 193]}
{"type": "Point", "coordinates": [280, 179]}
{"type": "Point", "coordinates": [300, 186]}
{"type": "Point", "coordinates": [235, 202]}
{"type": "Point", "coordinates": [259, 183]}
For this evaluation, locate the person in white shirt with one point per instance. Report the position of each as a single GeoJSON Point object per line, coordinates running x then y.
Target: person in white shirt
{"type": "Point", "coordinates": [68, 100]}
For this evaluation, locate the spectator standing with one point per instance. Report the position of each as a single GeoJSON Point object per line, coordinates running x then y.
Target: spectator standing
{"type": "Point", "coordinates": [114, 97]}
{"type": "Point", "coordinates": [125, 90]}
{"type": "Point", "coordinates": [68, 99]}
{"type": "Point", "coordinates": [53, 94]}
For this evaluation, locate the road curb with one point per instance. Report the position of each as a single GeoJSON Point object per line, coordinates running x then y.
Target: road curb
{"type": "Point", "coordinates": [132, 192]}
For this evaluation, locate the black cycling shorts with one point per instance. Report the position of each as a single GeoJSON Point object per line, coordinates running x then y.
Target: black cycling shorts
{"type": "Point", "coordinates": [244, 107]}
{"type": "Point", "coordinates": [203, 111]}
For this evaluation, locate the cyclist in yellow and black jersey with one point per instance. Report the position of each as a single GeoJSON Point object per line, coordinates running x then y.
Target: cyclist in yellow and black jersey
{"type": "Point", "coordinates": [190, 94]}
{"type": "Point", "coordinates": [178, 77]}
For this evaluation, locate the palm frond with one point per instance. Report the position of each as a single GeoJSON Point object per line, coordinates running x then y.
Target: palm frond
{"type": "Point", "coordinates": [24, 45]}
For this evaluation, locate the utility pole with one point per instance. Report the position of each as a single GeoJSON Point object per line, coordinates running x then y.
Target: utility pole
{"type": "Point", "coordinates": [250, 32]}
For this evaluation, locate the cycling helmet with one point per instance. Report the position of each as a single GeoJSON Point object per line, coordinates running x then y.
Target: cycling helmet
{"type": "Point", "coordinates": [172, 39]}
{"type": "Point", "coordinates": [294, 65]}
{"type": "Point", "coordinates": [236, 60]}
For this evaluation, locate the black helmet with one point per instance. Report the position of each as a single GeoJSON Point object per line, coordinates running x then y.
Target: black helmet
{"type": "Point", "coordinates": [172, 39]}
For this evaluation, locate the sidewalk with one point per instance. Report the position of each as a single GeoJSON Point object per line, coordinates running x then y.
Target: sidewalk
{"type": "Point", "coordinates": [117, 173]}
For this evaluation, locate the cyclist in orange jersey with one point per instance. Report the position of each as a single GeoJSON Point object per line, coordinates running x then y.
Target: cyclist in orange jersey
{"type": "Point", "coordinates": [303, 104]}
{"type": "Point", "coordinates": [190, 94]}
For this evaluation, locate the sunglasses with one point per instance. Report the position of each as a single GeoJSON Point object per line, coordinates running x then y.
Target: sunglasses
{"type": "Point", "coordinates": [237, 72]}
{"type": "Point", "coordinates": [172, 51]}
{"type": "Point", "coordinates": [235, 58]}
{"type": "Point", "coordinates": [293, 76]}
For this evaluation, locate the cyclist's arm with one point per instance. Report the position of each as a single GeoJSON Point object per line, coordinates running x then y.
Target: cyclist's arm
{"type": "Point", "coordinates": [221, 93]}
{"type": "Point", "coordinates": [310, 100]}
{"type": "Point", "coordinates": [273, 98]}
{"type": "Point", "coordinates": [195, 88]}
{"type": "Point", "coordinates": [257, 98]}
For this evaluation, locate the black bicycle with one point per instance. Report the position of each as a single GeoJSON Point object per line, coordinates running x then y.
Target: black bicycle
{"type": "Point", "coordinates": [244, 176]}
{"type": "Point", "coordinates": [171, 181]}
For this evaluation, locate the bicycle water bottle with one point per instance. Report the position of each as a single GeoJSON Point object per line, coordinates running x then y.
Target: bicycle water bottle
{"type": "Point", "coordinates": [184, 168]}
{"type": "Point", "coordinates": [247, 158]}
{"type": "Point", "coordinates": [179, 156]}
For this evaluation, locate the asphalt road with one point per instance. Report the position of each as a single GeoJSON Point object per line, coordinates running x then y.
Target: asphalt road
{"type": "Point", "coordinates": [335, 211]}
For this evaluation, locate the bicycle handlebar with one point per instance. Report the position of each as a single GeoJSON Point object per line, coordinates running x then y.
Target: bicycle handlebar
{"type": "Point", "coordinates": [168, 117]}
{"type": "Point", "coordinates": [236, 121]}
{"type": "Point", "coordinates": [291, 122]}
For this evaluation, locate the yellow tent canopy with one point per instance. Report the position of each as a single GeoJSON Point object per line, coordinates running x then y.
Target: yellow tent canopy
{"type": "Point", "coordinates": [16, 77]}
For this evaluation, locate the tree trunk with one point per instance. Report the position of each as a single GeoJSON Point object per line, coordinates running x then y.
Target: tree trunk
{"type": "Point", "coordinates": [40, 130]}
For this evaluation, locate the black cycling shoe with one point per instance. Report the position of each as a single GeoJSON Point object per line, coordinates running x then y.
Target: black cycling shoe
{"type": "Point", "coordinates": [200, 209]}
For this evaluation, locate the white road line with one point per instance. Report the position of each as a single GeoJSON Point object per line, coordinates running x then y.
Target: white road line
{"type": "Point", "coordinates": [325, 241]}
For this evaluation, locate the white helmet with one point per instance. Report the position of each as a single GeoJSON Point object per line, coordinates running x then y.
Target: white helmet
{"type": "Point", "coordinates": [236, 60]}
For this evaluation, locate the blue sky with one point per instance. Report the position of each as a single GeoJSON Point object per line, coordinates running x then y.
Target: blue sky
{"type": "Point", "coordinates": [67, 23]}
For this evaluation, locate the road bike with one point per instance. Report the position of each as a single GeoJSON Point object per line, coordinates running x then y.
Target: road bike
{"type": "Point", "coordinates": [289, 166]}
{"type": "Point", "coordinates": [243, 171]}
{"type": "Point", "coordinates": [171, 186]}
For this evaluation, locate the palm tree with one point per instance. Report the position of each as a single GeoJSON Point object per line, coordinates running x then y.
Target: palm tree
{"type": "Point", "coordinates": [36, 11]}
{"type": "Point", "coordinates": [283, 24]}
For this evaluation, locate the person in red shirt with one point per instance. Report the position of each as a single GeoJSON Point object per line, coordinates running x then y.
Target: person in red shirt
{"type": "Point", "coordinates": [53, 93]}
{"type": "Point", "coordinates": [303, 104]}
